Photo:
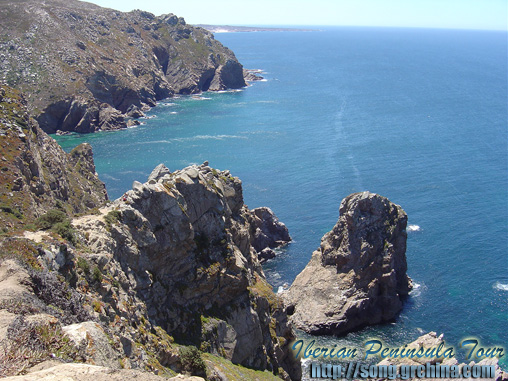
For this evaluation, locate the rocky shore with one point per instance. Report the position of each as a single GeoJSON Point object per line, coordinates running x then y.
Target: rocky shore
{"type": "Point", "coordinates": [85, 68]}
{"type": "Point", "coordinates": [166, 281]}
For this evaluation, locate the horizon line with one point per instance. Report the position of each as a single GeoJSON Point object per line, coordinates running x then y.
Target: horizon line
{"type": "Point", "coordinates": [352, 26]}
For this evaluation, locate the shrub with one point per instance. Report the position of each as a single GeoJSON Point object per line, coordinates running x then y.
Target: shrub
{"type": "Point", "coordinates": [31, 343]}
{"type": "Point", "coordinates": [97, 274]}
{"type": "Point", "coordinates": [66, 231]}
{"type": "Point", "coordinates": [112, 218]}
{"type": "Point", "coordinates": [11, 210]}
{"type": "Point", "coordinates": [50, 219]}
{"type": "Point", "coordinates": [191, 360]}
{"type": "Point", "coordinates": [84, 265]}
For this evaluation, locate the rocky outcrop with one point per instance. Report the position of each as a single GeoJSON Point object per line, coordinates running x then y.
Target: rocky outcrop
{"type": "Point", "coordinates": [252, 75]}
{"type": "Point", "coordinates": [358, 275]}
{"type": "Point", "coordinates": [85, 68]}
{"type": "Point", "coordinates": [267, 232]}
{"type": "Point", "coordinates": [171, 261]}
{"type": "Point", "coordinates": [184, 245]}
{"type": "Point", "coordinates": [36, 174]}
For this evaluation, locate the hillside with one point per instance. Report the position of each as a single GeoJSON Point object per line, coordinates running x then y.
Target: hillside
{"type": "Point", "coordinates": [36, 174]}
{"type": "Point", "coordinates": [86, 68]}
{"type": "Point", "coordinates": [83, 280]}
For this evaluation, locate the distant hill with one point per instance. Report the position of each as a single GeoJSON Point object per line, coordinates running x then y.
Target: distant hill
{"type": "Point", "coordinates": [229, 28]}
{"type": "Point", "coordinates": [86, 68]}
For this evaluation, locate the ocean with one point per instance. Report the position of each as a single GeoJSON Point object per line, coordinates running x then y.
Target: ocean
{"type": "Point", "coordinates": [416, 115]}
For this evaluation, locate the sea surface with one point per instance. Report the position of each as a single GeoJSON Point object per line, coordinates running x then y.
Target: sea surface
{"type": "Point", "coordinates": [416, 115]}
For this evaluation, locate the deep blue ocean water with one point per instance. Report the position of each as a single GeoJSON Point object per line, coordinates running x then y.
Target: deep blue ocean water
{"type": "Point", "coordinates": [416, 115]}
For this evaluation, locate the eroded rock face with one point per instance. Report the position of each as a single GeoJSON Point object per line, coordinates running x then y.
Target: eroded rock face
{"type": "Point", "coordinates": [183, 242]}
{"type": "Point", "coordinates": [358, 275]}
{"type": "Point", "coordinates": [36, 173]}
{"type": "Point", "coordinates": [267, 233]}
{"type": "Point", "coordinates": [84, 67]}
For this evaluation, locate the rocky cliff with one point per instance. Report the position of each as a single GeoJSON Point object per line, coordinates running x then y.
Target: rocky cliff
{"type": "Point", "coordinates": [85, 68]}
{"type": "Point", "coordinates": [167, 267]}
{"type": "Point", "coordinates": [358, 275]}
{"type": "Point", "coordinates": [36, 174]}
{"type": "Point", "coordinates": [183, 242]}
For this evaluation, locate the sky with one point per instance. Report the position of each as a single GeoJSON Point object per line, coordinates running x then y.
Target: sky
{"type": "Point", "coordinates": [459, 14]}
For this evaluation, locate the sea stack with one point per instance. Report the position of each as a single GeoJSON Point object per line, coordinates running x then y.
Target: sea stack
{"type": "Point", "coordinates": [357, 277]}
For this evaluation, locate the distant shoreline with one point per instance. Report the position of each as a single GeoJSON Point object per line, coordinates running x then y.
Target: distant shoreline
{"type": "Point", "coordinates": [236, 29]}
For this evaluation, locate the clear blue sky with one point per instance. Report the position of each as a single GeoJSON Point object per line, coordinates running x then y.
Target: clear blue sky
{"type": "Point", "coordinates": [464, 14]}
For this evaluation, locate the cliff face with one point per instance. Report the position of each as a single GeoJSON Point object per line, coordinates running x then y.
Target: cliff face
{"type": "Point", "coordinates": [36, 174]}
{"type": "Point", "coordinates": [173, 256]}
{"type": "Point", "coordinates": [358, 275]}
{"type": "Point", "coordinates": [184, 245]}
{"type": "Point", "coordinates": [85, 68]}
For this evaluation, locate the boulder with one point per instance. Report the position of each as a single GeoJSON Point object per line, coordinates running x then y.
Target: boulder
{"type": "Point", "coordinates": [94, 343]}
{"type": "Point", "coordinates": [158, 172]}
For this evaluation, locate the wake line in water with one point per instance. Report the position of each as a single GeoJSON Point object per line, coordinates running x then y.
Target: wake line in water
{"type": "Point", "coordinates": [341, 139]}
{"type": "Point", "coordinates": [194, 138]}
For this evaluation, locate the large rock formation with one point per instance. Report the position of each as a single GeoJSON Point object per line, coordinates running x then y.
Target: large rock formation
{"type": "Point", "coordinates": [358, 275]}
{"type": "Point", "coordinates": [85, 68]}
{"type": "Point", "coordinates": [36, 174]}
{"type": "Point", "coordinates": [184, 245]}
{"type": "Point", "coordinates": [173, 256]}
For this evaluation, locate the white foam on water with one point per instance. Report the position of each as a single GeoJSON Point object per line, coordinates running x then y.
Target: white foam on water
{"type": "Point", "coordinates": [413, 228]}
{"type": "Point", "coordinates": [199, 98]}
{"type": "Point", "coordinates": [109, 177]}
{"type": "Point", "coordinates": [227, 91]}
{"type": "Point", "coordinates": [194, 138]}
{"type": "Point", "coordinates": [501, 286]}
{"type": "Point", "coordinates": [417, 290]}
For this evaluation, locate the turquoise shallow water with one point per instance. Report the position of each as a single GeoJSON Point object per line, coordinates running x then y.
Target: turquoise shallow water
{"type": "Point", "coordinates": [419, 116]}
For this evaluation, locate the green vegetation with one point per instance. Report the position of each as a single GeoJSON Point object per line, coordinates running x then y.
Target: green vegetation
{"type": "Point", "coordinates": [32, 343]}
{"type": "Point", "coordinates": [192, 360]}
{"type": "Point", "coordinates": [50, 219]}
{"type": "Point", "coordinates": [97, 274]}
{"type": "Point", "coordinates": [66, 231]}
{"type": "Point", "coordinates": [262, 289]}
{"type": "Point", "coordinates": [57, 221]}
{"type": "Point", "coordinates": [11, 210]}
{"type": "Point", "coordinates": [237, 372]}
{"type": "Point", "coordinates": [21, 250]}
{"type": "Point", "coordinates": [83, 265]}
{"type": "Point", "coordinates": [113, 217]}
